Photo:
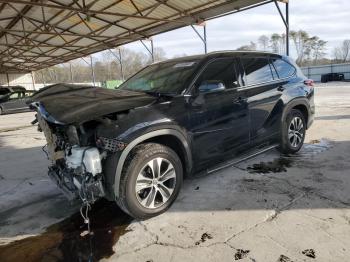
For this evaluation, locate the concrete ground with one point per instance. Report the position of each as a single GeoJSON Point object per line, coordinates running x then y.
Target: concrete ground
{"type": "Point", "coordinates": [270, 208]}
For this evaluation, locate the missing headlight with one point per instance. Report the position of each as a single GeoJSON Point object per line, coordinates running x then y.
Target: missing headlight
{"type": "Point", "coordinates": [110, 144]}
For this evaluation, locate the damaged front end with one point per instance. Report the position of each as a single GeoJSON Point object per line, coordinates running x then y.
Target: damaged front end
{"type": "Point", "coordinates": [77, 153]}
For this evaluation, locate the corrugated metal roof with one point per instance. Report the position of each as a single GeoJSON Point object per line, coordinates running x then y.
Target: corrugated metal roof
{"type": "Point", "coordinates": [35, 34]}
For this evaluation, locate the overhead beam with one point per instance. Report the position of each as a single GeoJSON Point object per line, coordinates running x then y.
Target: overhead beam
{"type": "Point", "coordinates": [53, 26]}
{"type": "Point", "coordinates": [88, 11]}
{"type": "Point", "coordinates": [18, 17]}
{"type": "Point", "coordinates": [54, 33]}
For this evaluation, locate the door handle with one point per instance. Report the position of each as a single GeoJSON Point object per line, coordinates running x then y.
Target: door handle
{"type": "Point", "coordinates": [280, 88]}
{"type": "Point", "coordinates": [240, 99]}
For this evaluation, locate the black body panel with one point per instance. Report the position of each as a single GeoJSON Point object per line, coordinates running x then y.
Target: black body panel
{"type": "Point", "coordinates": [75, 104]}
{"type": "Point", "coordinates": [216, 125]}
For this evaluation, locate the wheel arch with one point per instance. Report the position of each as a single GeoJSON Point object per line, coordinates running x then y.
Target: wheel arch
{"type": "Point", "coordinates": [303, 109]}
{"type": "Point", "coordinates": [301, 104]}
{"type": "Point", "coordinates": [169, 137]}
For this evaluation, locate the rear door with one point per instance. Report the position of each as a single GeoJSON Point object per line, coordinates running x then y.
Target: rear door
{"type": "Point", "coordinates": [263, 92]}
{"type": "Point", "coordinates": [219, 119]}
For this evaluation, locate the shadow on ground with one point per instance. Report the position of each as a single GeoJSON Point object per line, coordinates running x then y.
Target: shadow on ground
{"type": "Point", "coordinates": [268, 182]}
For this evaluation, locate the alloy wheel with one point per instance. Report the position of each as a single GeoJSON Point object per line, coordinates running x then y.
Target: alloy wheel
{"type": "Point", "coordinates": [155, 183]}
{"type": "Point", "coordinates": [296, 131]}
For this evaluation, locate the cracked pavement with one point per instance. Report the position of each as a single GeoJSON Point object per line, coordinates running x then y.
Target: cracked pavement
{"type": "Point", "coordinates": [233, 214]}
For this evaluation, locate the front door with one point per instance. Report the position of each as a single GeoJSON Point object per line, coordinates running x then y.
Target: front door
{"type": "Point", "coordinates": [218, 117]}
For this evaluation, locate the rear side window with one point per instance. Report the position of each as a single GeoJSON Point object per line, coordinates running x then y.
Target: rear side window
{"type": "Point", "coordinates": [283, 68]}
{"type": "Point", "coordinates": [15, 95]}
{"type": "Point", "coordinates": [256, 70]}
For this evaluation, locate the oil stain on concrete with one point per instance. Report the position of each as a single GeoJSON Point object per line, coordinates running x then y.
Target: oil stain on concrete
{"type": "Point", "coordinates": [63, 241]}
{"type": "Point", "coordinates": [285, 161]}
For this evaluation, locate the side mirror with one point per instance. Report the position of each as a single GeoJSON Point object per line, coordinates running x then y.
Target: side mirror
{"type": "Point", "coordinates": [210, 86]}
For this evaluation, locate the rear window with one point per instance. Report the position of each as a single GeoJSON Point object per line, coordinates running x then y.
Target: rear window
{"type": "Point", "coordinates": [256, 70]}
{"type": "Point", "coordinates": [283, 68]}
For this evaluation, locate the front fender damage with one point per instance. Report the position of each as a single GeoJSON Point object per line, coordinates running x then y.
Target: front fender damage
{"type": "Point", "coordinates": [77, 154]}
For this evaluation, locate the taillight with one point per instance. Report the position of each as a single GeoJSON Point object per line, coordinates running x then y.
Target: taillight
{"type": "Point", "coordinates": [309, 82]}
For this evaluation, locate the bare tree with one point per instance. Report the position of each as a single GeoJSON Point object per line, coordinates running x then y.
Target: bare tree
{"type": "Point", "coordinates": [346, 49]}
{"type": "Point", "coordinates": [263, 41]}
{"type": "Point", "coordinates": [342, 53]}
{"type": "Point", "coordinates": [250, 47]}
{"type": "Point", "coordinates": [274, 41]}
{"type": "Point", "coordinates": [106, 67]}
{"type": "Point", "coordinates": [159, 54]}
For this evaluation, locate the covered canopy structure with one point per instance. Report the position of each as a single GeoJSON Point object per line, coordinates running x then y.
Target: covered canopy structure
{"type": "Point", "coordinates": [36, 34]}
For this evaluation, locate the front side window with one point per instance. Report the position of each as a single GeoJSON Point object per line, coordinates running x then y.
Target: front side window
{"type": "Point", "coordinates": [283, 68]}
{"type": "Point", "coordinates": [220, 70]}
{"type": "Point", "coordinates": [256, 70]}
{"type": "Point", "coordinates": [167, 77]}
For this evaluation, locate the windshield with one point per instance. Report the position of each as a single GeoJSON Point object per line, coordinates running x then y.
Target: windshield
{"type": "Point", "coordinates": [168, 77]}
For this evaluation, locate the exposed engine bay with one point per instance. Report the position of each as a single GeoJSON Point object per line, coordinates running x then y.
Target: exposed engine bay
{"type": "Point", "coordinates": [77, 154]}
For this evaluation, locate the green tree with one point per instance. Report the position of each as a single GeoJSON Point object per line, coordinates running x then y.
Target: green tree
{"type": "Point", "coordinates": [317, 49]}
{"type": "Point", "coordinates": [302, 42]}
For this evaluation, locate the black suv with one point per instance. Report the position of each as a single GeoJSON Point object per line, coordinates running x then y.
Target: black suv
{"type": "Point", "coordinates": [172, 119]}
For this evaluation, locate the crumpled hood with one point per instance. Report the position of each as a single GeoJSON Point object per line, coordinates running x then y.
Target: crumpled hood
{"type": "Point", "coordinates": [75, 104]}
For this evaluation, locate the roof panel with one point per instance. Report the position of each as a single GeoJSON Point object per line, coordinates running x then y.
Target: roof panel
{"type": "Point", "coordinates": [58, 31]}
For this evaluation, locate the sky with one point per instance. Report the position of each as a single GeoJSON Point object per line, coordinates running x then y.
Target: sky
{"type": "Point", "coordinates": [328, 19]}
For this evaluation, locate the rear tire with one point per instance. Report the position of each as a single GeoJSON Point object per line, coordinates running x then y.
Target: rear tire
{"type": "Point", "coordinates": [150, 181]}
{"type": "Point", "coordinates": [293, 132]}
{"type": "Point", "coordinates": [1, 111]}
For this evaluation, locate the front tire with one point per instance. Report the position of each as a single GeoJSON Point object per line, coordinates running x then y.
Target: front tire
{"type": "Point", "coordinates": [293, 132]}
{"type": "Point", "coordinates": [151, 180]}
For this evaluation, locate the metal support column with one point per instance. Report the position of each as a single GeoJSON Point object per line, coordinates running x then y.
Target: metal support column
{"type": "Point", "coordinates": [55, 74]}
{"type": "Point", "coordinates": [8, 79]}
{"type": "Point", "coordinates": [33, 80]}
{"type": "Point", "coordinates": [121, 64]}
{"type": "Point", "coordinates": [285, 21]}
{"type": "Point", "coordinates": [150, 51]}
{"type": "Point", "coordinates": [43, 78]}
{"type": "Point", "coordinates": [71, 72]}
{"type": "Point", "coordinates": [203, 38]}
{"type": "Point", "coordinates": [92, 70]}
{"type": "Point", "coordinates": [287, 28]}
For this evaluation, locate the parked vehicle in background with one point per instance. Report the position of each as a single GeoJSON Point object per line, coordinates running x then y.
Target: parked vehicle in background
{"type": "Point", "coordinates": [332, 77]}
{"type": "Point", "coordinates": [134, 145]}
{"type": "Point", "coordinates": [15, 101]}
{"type": "Point", "coordinates": [8, 89]}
